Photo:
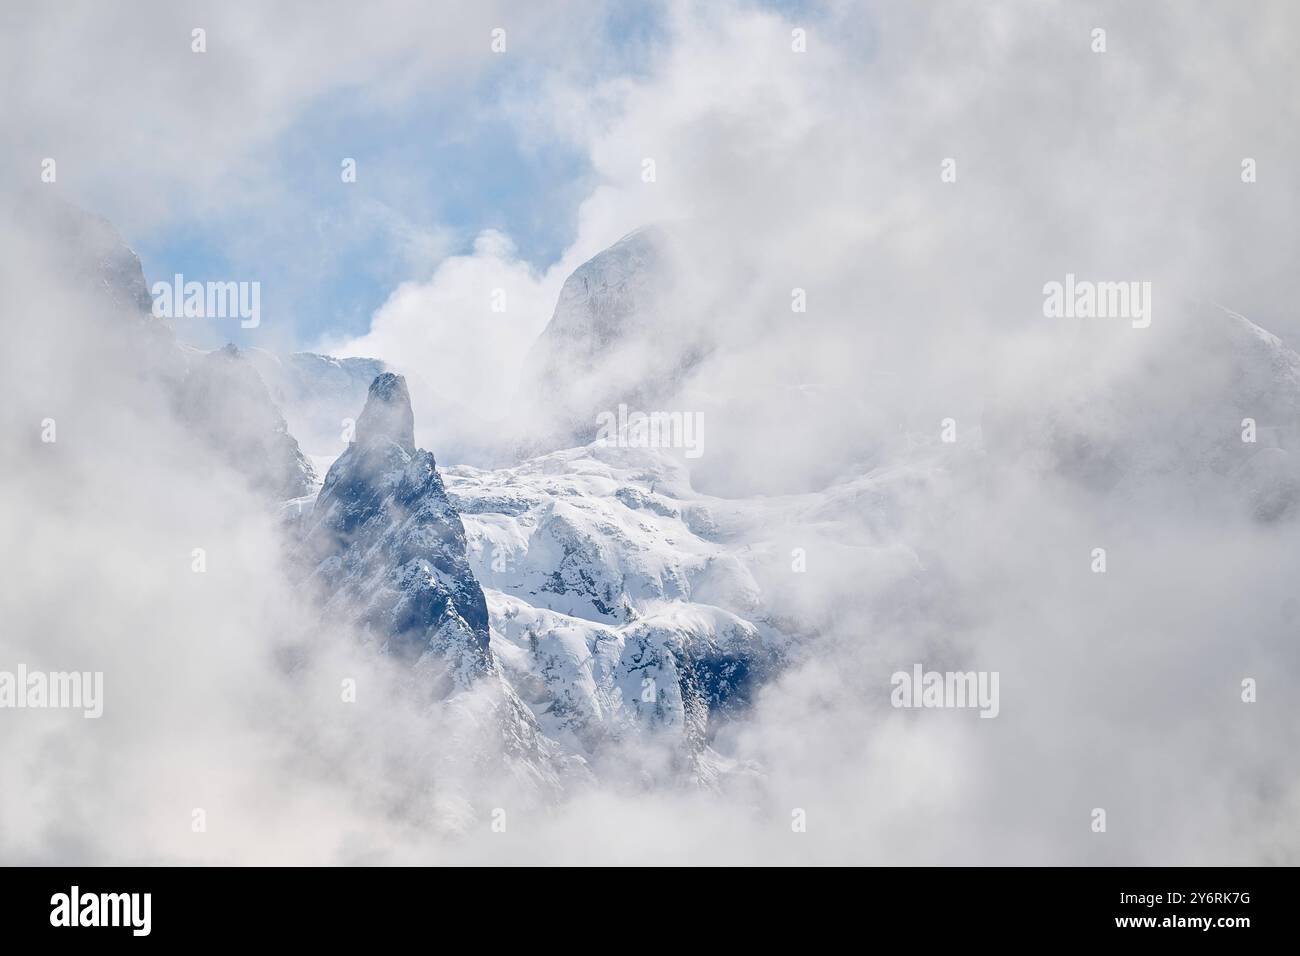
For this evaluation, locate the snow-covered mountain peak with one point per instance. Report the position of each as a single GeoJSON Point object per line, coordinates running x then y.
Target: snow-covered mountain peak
{"type": "Point", "coordinates": [606, 293]}
{"type": "Point", "coordinates": [621, 333]}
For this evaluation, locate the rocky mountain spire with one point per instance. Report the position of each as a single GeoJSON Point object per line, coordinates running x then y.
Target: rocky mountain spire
{"type": "Point", "coordinates": [390, 550]}
{"type": "Point", "coordinates": [387, 415]}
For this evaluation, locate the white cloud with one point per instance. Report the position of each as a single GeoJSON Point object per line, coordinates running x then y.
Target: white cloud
{"type": "Point", "coordinates": [821, 170]}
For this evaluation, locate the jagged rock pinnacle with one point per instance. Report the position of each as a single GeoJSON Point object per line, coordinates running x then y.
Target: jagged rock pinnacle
{"type": "Point", "coordinates": [387, 415]}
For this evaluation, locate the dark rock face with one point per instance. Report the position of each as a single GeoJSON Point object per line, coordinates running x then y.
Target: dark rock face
{"type": "Point", "coordinates": [389, 548]}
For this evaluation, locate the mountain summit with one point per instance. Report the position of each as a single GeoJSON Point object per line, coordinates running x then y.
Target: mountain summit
{"type": "Point", "coordinates": [389, 548]}
{"type": "Point", "coordinates": [387, 415]}
{"type": "Point", "coordinates": [622, 332]}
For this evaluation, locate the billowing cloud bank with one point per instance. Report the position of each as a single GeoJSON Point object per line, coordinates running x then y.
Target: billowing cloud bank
{"type": "Point", "coordinates": [774, 171]}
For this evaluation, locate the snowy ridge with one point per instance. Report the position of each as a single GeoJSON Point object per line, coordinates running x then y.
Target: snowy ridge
{"type": "Point", "coordinates": [613, 615]}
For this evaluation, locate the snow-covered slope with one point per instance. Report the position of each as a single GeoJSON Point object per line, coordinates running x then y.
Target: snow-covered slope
{"type": "Point", "coordinates": [618, 610]}
{"type": "Point", "coordinates": [597, 532]}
